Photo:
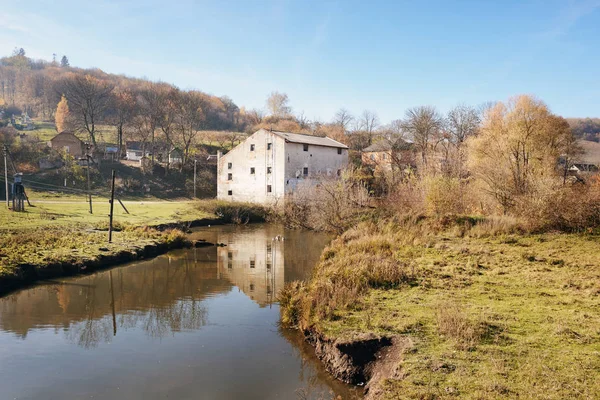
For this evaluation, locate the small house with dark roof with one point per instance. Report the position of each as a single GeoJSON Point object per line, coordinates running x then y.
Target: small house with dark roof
{"type": "Point", "coordinates": [385, 153]}
{"type": "Point", "coordinates": [69, 143]}
{"type": "Point", "coordinates": [270, 165]}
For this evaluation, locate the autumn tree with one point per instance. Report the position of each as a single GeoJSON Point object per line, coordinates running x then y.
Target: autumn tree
{"type": "Point", "coordinates": [62, 117]}
{"type": "Point", "coordinates": [278, 105]}
{"type": "Point", "coordinates": [422, 124]}
{"type": "Point", "coordinates": [89, 98]}
{"type": "Point", "coordinates": [517, 148]}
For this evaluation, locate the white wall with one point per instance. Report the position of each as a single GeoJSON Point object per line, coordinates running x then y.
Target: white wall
{"type": "Point", "coordinates": [321, 162]}
{"type": "Point", "coordinates": [253, 187]}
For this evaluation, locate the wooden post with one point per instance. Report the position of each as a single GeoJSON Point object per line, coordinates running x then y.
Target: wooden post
{"type": "Point", "coordinates": [88, 182]}
{"type": "Point", "coordinates": [122, 205]}
{"type": "Point", "coordinates": [6, 176]}
{"type": "Point", "coordinates": [195, 177]}
{"type": "Point", "coordinates": [112, 201]}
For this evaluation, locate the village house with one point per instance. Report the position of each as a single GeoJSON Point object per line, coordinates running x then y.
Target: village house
{"type": "Point", "coordinates": [270, 165]}
{"type": "Point", "coordinates": [387, 154]}
{"type": "Point", "coordinates": [135, 151]}
{"type": "Point", "coordinates": [69, 143]}
{"type": "Point", "coordinates": [589, 160]}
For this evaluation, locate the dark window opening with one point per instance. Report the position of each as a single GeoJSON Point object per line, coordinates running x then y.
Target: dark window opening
{"type": "Point", "coordinates": [229, 264]}
{"type": "Point", "coordinates": [252, 263]}
{"type": "Point", "coordinates": [252, 287]}
{"type": "Point", "coordinates": [229, 165]}
{"type": "Point", "coordinates": [339, 172]}
{"type": "Point", "coordinates": [339, 151]}
{"type": "Point", "coordinates": [305, 171]}
{"type": "Point", "coordinates": [251, 147]}
{"type": "Point", "coordinates": [305, 147]}
{"type": "Point", "coordinates": [229, 255]}
{"type": "Point", "coordinates": [268, 188]}
{"type": "Point", "coordinates": [268, 265]}
{"type": "Point", "coordinates": [269, 145]}
{"type": "Point", "coordinates": [230, 193]}
{"type": "Point", "coordinates": [269, 170]}
{"type": "Point", "coordinates": [252, 170]}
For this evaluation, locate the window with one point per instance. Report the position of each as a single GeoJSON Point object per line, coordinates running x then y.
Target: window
{"type": "Point", "coordinates": [268, 265]}
{"type": "Point", "coordinates": [252, 287]}
{"type": "Point", "coordinates": [339, 172]}
{"type": "Point", "coordinates": [268, 188]}
{"type": "Point", "coordinates": [230, 193]}
{"type": "Point", "coordinates": [384, 156]}
{"type": "Point", "coordinates": [305, 171]}
{"type": "Point", "coordinates": [252, 170]}
{"type": "Point", "coordinates": [229, 177]}
{"type": "Point", "coordinates": [251, 147]}
{"type": "Point", "coordinates": [229, 264]}
{"type": "Point", "coordinates": [305, 147]}
{"type": "Point", "coordinates": [252, 263]}
{"type": "Point", "coordinates": [339, 151]}
{"type": "Point", "coordinates": [269, 145]}
{"type": "Point", "coordinates": [229, 165]}
{"type": "Point", "coordinates": [269, 170]}
{"type": "Point", "coordinates": [229, 255]}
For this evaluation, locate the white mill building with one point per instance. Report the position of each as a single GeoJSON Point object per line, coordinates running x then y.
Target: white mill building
{"type": "Point", "coordinates": [270, 165]}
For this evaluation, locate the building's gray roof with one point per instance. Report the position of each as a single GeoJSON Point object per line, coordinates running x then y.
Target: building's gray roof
{"type": "Point", "coordinates": [387, 145]}
{"type": "Point", "coordinates": [309, 139]}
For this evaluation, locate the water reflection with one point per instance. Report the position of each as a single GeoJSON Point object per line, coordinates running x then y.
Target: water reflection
{"type": "Point", "coordinates": [208, 316]}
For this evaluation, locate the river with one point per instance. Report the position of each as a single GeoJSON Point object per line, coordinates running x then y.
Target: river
{"type": "Point", "coordinates": [191, 324]}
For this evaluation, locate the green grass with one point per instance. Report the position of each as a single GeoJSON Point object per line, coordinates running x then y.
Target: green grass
{"type": "Point", "coordinates": [481, 317]}
{"type": "Point", "coordinates": [55, 213]}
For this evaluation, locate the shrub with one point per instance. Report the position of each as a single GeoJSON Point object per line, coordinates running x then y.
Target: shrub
{"type": "Point", "coordinates": [235, 212]}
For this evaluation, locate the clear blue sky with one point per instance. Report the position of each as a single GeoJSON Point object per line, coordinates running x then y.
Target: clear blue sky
{"type": "Point", "coordinates": [384, 56]}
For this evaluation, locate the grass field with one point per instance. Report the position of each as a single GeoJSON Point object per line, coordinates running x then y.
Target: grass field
{"type": "Point", "coordinates": [480, 316]}
{"type": "Point", "coordinates": [49, 213]}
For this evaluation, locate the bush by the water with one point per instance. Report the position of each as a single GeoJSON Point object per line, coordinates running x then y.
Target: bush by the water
{"type": "Point", "coordinates": [235, 212]}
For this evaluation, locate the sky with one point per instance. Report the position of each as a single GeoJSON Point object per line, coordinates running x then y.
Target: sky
{"type": "Point", "coordinates": [384, 56]}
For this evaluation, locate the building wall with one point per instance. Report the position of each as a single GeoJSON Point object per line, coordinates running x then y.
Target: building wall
{"type": "Point", "coordinates": [321, 161]}
{"type": "Point", "coordinates": [378, 159]}
{"type": "Point", "coordinates": [74, 145]}
{"type": "Point", "coordinates": [287, 162]}
{"type": "Point", "coordinates": [244, 185]}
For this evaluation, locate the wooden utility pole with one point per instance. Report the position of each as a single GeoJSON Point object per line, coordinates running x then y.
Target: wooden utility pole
{"type": "Point", "coordinates": [112, 201]}
{"type": "Point", "coordinates": [88, 182]}
{"type": "Point", "coordinates": [6, 175]}
{"type": "Point", "coordinates": [195, 177]}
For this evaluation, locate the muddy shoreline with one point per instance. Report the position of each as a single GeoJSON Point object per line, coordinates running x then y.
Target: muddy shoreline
{"type": "Point", "coordinates": [364, 361]}
{"type": "Point", "coordinates": [29, 274]}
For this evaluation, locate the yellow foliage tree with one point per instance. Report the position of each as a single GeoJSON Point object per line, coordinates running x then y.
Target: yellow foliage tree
{"type": "Point", "coordinates": [62, 117]}
{"type": "Point", "coordinates": [517, 149]}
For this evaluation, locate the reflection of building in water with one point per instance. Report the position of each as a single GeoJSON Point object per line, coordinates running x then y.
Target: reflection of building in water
{"type": "Point", "coordinates": [254, 263]}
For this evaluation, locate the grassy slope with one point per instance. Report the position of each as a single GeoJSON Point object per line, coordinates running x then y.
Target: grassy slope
{"type": "Point", "coordinates": [484, 317]}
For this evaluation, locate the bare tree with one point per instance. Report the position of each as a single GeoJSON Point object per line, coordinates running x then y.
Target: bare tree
{"type": "Point", "coordinates": [89, 98]}
{"type": "Point", "coordinates": [149, 111]}
{"type": "Point", "coordinates": [121, 113]}
{"type": "Point", "coordinates": [189, 121]}
{"type": "Point", "coordinates": [369, 121]}
{"type": "Point", "coordinates": [343, 118]}
{"type": "Point", "coordinates": [303, 121]}
{"type": "Point", "coordinates": [422, 124]}
{"type": "Point", "coordinates": [278, 105]}
{"type": "Point", "coordinates": [462, 122]}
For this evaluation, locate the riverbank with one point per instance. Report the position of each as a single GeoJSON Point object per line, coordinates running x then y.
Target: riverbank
{"type": "Point", "coordinates": [471, 309]}
{"type": "Point", "coordinates": [61, 238]}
